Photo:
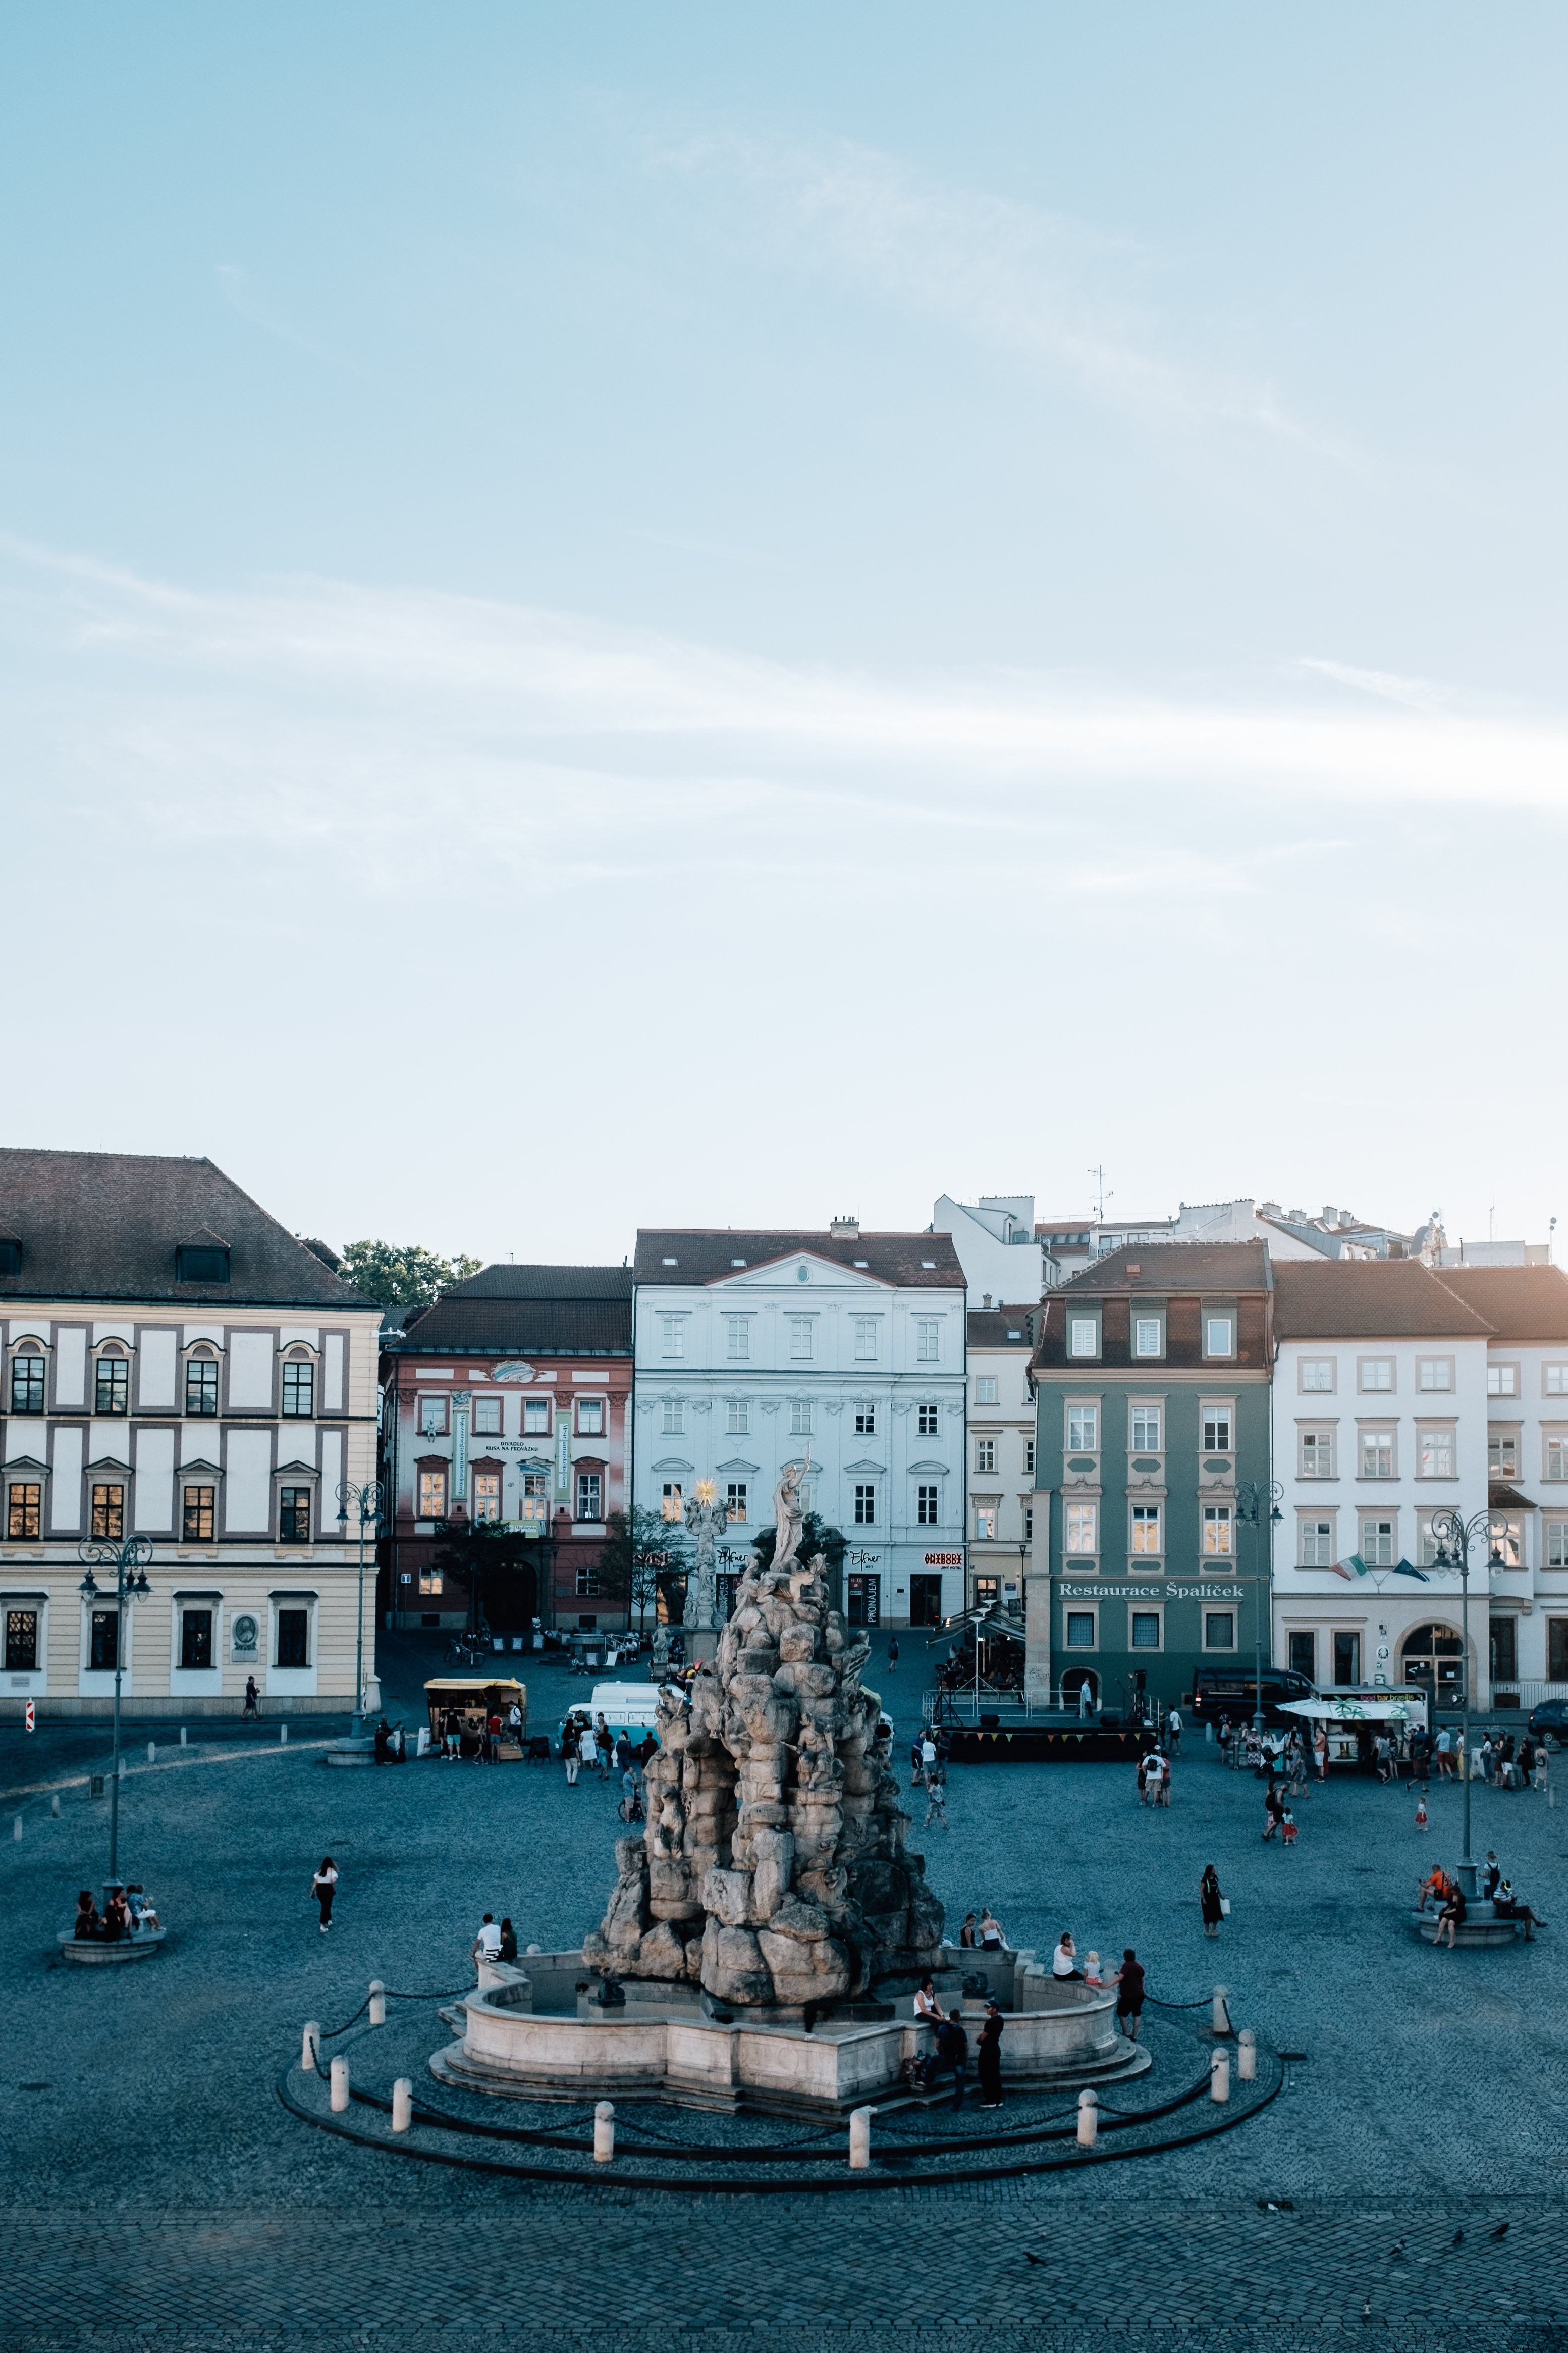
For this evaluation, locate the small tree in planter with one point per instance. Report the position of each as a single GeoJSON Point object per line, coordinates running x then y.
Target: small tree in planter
{"type": "Point", "coordinates": [640, 1547]}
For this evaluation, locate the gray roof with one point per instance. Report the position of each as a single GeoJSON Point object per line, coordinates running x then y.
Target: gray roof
{"type": "Point", "coordinates": [1160, 1268]}
{"type": "Point", "coordinates": [1371, 1298]}
{"type": "Point", "coordinates": [545, 1282]}
{"type": "Point", "coordinates": [709, 1254]}
{"type": "Point", "coordinates": [468, 1321]}
{"type": "Point", "coordinates": [1001, 1327]}
{"type": "Point", "coordinates": [106, 1225]}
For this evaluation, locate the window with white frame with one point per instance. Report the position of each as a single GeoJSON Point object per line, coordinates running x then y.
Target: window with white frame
{"type": "Point", "coordinates": [1317, 1544]}
{"type": "Point", "coordinates": [1146, 1528]}
{"type": "Point", "coordinates": [1434, 1451]}
{"type": "Point", "coordinates": [1426, 1539]}
{"type": "Point", "coordinates": [1083, 1336]}
{"type": "Point", "coordinates": [674, 1416]}
{"type": "Point", "coordinates": [927, 1515]}
{"type": "Point", "coordinates": [1502, 1380]}
{"type": "Point", "coordinates": [986, 1389]}
{"type": "Point", "coordinates": [299, 1398]}
{"type": "Point", "coordinates": [672, 1335]}
{"type": "Point", "coordinates": [1028, 1523]}
{"type": "Point", "coordinates": [590, 1495]}
{"type": "Point", "coordinates": [1218, 1430]}
{"type": "Point", "coordinates": [1317, 1453]}
{"type": "Point", "coordinates": [865, 1503]}
{"type": "Point", "coordinates": [487, 1417]}
{"type": "Point", "coordinates": [800, 1341]}
{"type": "Point", "coordinates": [1317, 1375]}
{"type": "Point", "coordinates": [866, 1419]}
{"type": "Point", "coordinates": [735, 1501]}
{"type": "Point", "coordinates": [1434, 1373]}
{"type": "Point", "coordinates": [1082, 1527]}
{"type": "Point", "coordinates": [591, 1417]}
{"type": "Point", "coordinates": [432, 1416]}
{"type": "Point", "coordinates": [927, 1340]}
{"type": "Point", "coordinates": [432, 1495]}
{"type": "Point", "coordinates": [1556, 1454]}
{"type": "Point", "coordinates": [486, 1495]}
{"type": "Point", "coordinates": [986, 1454]}
{"type": "Point", "coordinates": [1377, 1543]}
{"type": "Point", "coordinates": [985, 1523]}
{"type": "Point", "coordinates": [1145, 1429]}
{"type": "Point", "coordinates": [865, 1339]}
{"type": "Point", "coordinates": [737, 1338]}
{"type": "Point", "coordinates": [800, 1417]}
{"type": "Point", "coordinates": [1502, 1454]}
{"type": "Point", "coordinates": [737, 1416]}
{"type": "Point", "coordinates": [1376, 1375]}
{"type": "Point", "coordinates": [926, 1424]}
{"type": "Point", "coordinates": [536, 1416]}
{"type": "Point", "coordinates": [1556, 1544]}
{"type": "Point", "coordinates": [672, 1500]}
{"type": "Point", "coordinates": [1219, 1336]}
{"type": "Point", "coordinates": [1554, 1380]}
{"type": "Point", "coordinates": [1377, 1454]}
{"type": "Point", "coordinates": [1083, 1429]}
{"type": "Point", "coordinates": [1148, 1335]}
{"type": "Point", "coordinates": [1029, 1456]}
{"type": "Point", "coordinates": [1219, 1531]}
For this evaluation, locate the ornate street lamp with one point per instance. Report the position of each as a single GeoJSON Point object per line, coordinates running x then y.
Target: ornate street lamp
{"type": "Point", "coordinates": [1454, 1535]}
{"type": "Point", "coordinates": [367, 1501]}
{"type": "Point", "coordinates": [1257, 1504]}
{"type": "Point", "coordinates": [129, 1561]}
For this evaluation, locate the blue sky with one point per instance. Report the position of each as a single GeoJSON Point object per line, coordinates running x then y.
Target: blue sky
{"type": "Point", "coordinates": [696, 615]}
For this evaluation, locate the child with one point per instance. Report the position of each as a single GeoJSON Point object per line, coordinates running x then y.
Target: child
{"type": "Point", "coordinates": [1420, 1813]}
{"type": "Point", "coordinates": [1288, 1829]}
{"type": "Point", "coordinates": [1091, 1972]}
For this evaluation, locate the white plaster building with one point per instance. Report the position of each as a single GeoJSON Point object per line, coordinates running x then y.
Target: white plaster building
{"type": "Point", "coordinates": [753, 1348]}
{"type": "Point", "coordinates": [1001, 1459]}
{"type": "Point", "coordinates": [1380, 1414]}
{"type": "Point", "coordinates": [177, 1366]}
{"type": "Point", "coordinates": [999, 1247]}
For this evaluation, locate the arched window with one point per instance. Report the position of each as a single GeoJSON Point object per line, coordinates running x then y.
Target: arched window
{"type": "Point", "coordinates": [202, 1381]}
{"type": "Point", "coordinates": [1432, 1657]}
{"type": "Point", "coordinates": [299, 1385]}
{"type": "Point", "coordinates": [111, 1379]}
{"type": "Point", "coordinates": [28, 1378]}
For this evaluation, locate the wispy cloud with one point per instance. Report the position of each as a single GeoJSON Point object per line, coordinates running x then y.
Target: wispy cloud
{"type": "Point", "coordinates": [1015, 276]}
{"type": "Point", "coordinates": [1415, 693]}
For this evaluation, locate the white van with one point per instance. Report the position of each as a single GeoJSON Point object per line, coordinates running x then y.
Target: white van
{"type": "Point", "coordinates": [626, 1707]}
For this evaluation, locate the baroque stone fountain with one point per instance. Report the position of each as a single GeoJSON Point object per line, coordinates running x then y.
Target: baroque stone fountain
{"type": "Point", "coordinates": [766, 1933]}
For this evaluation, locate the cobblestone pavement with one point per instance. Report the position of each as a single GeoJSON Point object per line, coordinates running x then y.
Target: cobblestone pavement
{"type": "Point", "coordinates": [154, 2183]}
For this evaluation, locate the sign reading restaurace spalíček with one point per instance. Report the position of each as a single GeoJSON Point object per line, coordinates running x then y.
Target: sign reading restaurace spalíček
{"type": "Point", "coordinates": [1111, 1589]}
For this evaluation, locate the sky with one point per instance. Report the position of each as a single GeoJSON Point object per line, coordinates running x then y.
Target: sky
{"type": "Point", "coordinates": [691, 615]}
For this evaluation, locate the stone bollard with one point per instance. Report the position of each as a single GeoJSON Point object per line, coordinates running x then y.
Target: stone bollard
{"type": "Point", "coordinates": [860, 2139]}
{"type": "Point", "coordinates": [536, 1948]}
{"type": "Point", "coordinates": [16, 1827]}
{"type": "Point", "coordinates": [340, 2085]}
{"type": "Point", "coordinates": [1087, 2119]}
{"type": "Point", "coordinates": [283, 1735]}
{"type": "Point", "coordinates": [1246, 2055]}
{"type": "Point", "coordinates": [184, 1738]}
{"type": "Point", "coordinates": [1222, 2024]}
{"type": "Point", "coordinates": [1219, 2076]}
{"type": "Point", "coordinates": [152, 1752]}
{"type": "Point", "coordinates": [310, 2048]}
{"type": "Point", "coordinates": [55, 1805]}
{"type": "Point", "coordinates": [402, 2103]}
{"type": "Point", "coordinates": [604, 2132]}
{"type": "Point", "coordinates": [377, 2002]}
{"type": "Point", "coordinates": [1208, 1733]}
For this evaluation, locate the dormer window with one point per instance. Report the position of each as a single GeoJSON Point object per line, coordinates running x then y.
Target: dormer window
{"type": "Point", "coordinates": [111, 1387]}
{"type": "Point", "coordinates": [10, 1257]}
{"type": "Point", "coordinates": [201, 1263]}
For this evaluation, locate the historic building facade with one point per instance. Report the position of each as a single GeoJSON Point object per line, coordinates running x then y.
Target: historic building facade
{"type": "Point", "coordinates": [177, 1366]}
{"type": "Point", "coordinates": [840, 1348]}
{"type": "Point", "coordinates": [1152, 1373]}
{"type": "Point", "coordinates": [1001, 1457]}
{"type": "Point", "coordinates": [509, 1401]}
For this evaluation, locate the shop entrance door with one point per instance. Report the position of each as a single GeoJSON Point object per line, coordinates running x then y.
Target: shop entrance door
{"type": "Point", "coordinates": [925, 1599]}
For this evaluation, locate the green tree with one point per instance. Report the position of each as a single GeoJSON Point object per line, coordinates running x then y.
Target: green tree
{"type": "Point", "coordinates": [815, 1536]}
{"type": "Point", "coordinates": [640, 1546]}
{"type": "Point", "coordinates": [478, 1553]}
{"type": "Point", "coordinates": [403, 1276]}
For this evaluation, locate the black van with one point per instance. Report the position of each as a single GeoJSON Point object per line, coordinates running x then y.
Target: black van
{"type": "Point", "coordinates": [1233, 1691]}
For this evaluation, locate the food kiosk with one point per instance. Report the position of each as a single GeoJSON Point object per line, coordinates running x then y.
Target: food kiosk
{"type": "Point", "coordinates": [475, 1699]}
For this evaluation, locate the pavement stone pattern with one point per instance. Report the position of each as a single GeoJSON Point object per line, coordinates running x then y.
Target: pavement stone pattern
{"type": "Point", "coordinates": [154, 2185]}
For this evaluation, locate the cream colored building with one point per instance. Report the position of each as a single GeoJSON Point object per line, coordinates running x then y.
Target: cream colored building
{"type": "Point", "coordinates": [177, 1366]}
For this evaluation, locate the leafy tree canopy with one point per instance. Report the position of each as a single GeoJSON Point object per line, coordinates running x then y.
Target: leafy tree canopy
{"type": "Point", "coordinates": [403, 1275]}
{"type": "Point", "coordinates": [815, 1536]}
{"type": "Point", "coordinates": [638, 1545]}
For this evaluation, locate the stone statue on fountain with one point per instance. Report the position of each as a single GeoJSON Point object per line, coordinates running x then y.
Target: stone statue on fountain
{"type": "Point", "coordinates": [707, 1520]}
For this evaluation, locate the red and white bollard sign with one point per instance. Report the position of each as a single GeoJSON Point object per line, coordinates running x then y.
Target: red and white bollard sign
{"type": "Point", "coordinates": [32, 1717]}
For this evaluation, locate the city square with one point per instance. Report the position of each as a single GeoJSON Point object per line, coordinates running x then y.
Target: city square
{"type": "Point", "coordinates": [168, 2189]}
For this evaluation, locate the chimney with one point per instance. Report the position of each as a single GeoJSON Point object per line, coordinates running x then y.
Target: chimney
{"type": "Point", "coordinates": [1331, 1214]}
{"type": "Point", "coordinates": [845, 1230]}
{"type": "Point", "coordinates": [986, 1299]}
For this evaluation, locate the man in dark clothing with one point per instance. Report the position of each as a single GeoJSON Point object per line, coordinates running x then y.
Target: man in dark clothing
{"type": "Point", "coordinates": [951, 2050]}
{"type": "Point", "coordinates": [988, 2059]}
{"type": "Point", "coordinates": [1130, 1995]}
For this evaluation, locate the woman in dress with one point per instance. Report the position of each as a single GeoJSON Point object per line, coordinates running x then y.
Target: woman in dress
{"type": "Point", "coordinates": [988, 2058]}
{"type": "Point", "coordinates": [1211, 1901]}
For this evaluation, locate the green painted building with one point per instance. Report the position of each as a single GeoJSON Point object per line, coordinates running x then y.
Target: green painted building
{"type": "Point", "coordinates": [1152, 1376]}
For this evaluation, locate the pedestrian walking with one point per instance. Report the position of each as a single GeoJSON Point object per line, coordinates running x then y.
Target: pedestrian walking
{"type": "Point", "coordinates": [936, 1799]}
{"type": "Point", "coordinates": [323, 1887]}
{"type": "Point", "coordinates": [988, 2058]}
{"type": "Point", "coordinates": [1210, 1902]}
{"type": "Point", "coordinates": [917, 1753]}
{"type": "Point", "coordinates": [1541, 1781]}
{"type": "Point", "coordinates": [1173, 1731]}
{"type": "Point", "coordinates": [953, 2050]}
{"type": "Point", "coordinates": [928, 1756]}
{"type": "Point", "coordinates": [1085, 1700]}
{"type": "Point", "coordinates": [1321, 1751]}
{"type": "Point", "coordinates": [1142, 1781]}
{"type": "Point", "coordinates": [1167, 1781]}
{"type": "Point", "coordinates": [1445, 1754]}
{"type": "Point", "coordinates": [1273, 1806]}
{"type": "Point", "coordinates": [1130, 1994]}
{"type": "Point", "coordinates": [1289, 1830]}
{"type": "Point", "coordinates": [893, 1655]}
{"type": "Point", "coordinates": [451, 1735]}
{"type": "Point", "coordinates": [493, 1742]}
{"type": "Point", "coordinates": [603, 1745]}
{"type": "Point", "coordinates": [1486, 1758]}
{"type": "Point", "coordinates": [252, 1707]}
{"type": "Point", "coordinates": [569, 1755]}
{"type": "Point", "coordinates": [1421, 1822]}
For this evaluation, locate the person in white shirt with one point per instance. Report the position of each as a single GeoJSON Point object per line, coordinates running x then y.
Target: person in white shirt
{"type": "Point", "coordinates": [486, 1943]}
{"type": "Point", "coordinates": [1064, 1960]}
{"type": "Point", "coordinates": [1173, 1730]}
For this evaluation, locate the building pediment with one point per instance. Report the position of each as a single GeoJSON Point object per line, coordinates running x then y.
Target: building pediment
{"type": "Point", "coordinates": [735, 1465]}
{"type": "Point", "coordinates": [27, 1466]}
{"type": "Point", "coordinates": [671, 1462]}
{"type": "Point", "coordinates": [198, 1469]}
{"type": "Point", "coordinates": [942, 1467]}
{"type": "Point", "coordinates": [110, 1463]}
{"type": "Point", "coordinates": [869, 1468]}
{"type": "Point", "coordinates": [801, 1270]}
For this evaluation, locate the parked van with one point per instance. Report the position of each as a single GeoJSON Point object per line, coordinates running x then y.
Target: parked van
{"type": "Point", "coordinates": [626, 1707]}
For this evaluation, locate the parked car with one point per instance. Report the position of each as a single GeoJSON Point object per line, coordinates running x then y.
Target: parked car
{"type": "Point", "coordinates": [1231, 1691]}
{"type": "Point", "coordinates": [1549, 1722]}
